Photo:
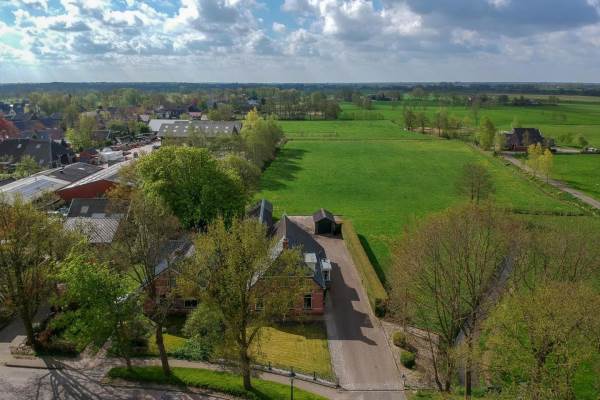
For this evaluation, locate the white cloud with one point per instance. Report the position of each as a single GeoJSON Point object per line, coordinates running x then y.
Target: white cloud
{"type": "Point", "coordinates": [278, 27]}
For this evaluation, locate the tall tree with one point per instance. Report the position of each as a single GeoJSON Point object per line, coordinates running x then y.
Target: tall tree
{"type": "Point", "coordinates": [261, 136]}
{"type": "Point", "coordinates": [235, 272]}
{"type": "Point", "coordinates": [534, 158]}
{"type": "Point", "coordinates": [140, 246]}
{"type": "Point", "coordinates": [31, 244]}
{"type": "Point", "coordinates": [442, 274]}
{"type": "Point", "coordinates": [193, 184]}
{"type": "Point", "coordinates": [487, 133]}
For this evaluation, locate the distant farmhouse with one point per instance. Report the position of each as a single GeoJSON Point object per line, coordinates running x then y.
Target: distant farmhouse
{"type": "Point", "coordinates": [209, 129]}
{"type": "Point", "coordinates": [46, 153]}
{"type": "Point", "coordinates": [519, 139]}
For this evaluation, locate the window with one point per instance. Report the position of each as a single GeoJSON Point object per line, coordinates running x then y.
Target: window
{"type": "Point", "coordinates": [326, 276]}
{"type": "Point", "coordinates": [308, 301]}
{"type": "Point", "coordinates": [85, 209]}
{"type": "Point", "coordinates": [173, 281]}
{"type": "Point", "coordinates": [190, 303]}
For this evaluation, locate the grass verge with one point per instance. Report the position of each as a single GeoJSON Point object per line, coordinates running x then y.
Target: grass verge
{"type": "Point", "coordinates": [222, 382]}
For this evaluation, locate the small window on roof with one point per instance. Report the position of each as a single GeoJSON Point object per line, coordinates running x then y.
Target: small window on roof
{"type": "Point", "coordinates": [19, 145]}
{"type": "Point", "coordinates": [37, 146]}
{"type": "Point", "coordinates": [85, 209]}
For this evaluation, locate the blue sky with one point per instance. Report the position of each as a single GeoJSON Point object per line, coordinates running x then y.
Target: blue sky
{"type": "Point", "coordinates": [299, 40]}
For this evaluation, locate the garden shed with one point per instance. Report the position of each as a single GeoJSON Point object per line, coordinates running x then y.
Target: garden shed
{"type": "Point", "coordinates": [324, 222]}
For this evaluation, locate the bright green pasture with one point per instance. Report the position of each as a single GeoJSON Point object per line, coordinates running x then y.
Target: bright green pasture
{"type": "Point", "coordinates": [383, 185]}
{"type": "Point", "coordinates": [553, 120]}
{"type": "Point", "coordinates": [347, 130]}
{"type": "Point", "coordinates": [580, 171]}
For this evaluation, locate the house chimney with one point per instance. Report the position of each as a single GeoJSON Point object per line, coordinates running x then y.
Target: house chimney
{"type": "Point", "coordinates": [285, 243]}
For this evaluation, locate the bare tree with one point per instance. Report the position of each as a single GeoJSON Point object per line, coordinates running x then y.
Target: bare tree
{"type": "Point", "coordinates": [443, 273]}
{"type": "Point", "coordinates": [475, 182]}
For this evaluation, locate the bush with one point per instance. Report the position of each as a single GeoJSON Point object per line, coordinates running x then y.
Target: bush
{"type": "Point", "coordinates": [407, 358]}
{"type": "Point", "coordinates": [194, 350]}
{"type": "Point", "coordinates": [399, 339]}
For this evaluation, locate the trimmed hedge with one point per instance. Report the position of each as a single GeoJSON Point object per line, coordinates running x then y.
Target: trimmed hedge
{"type": "Point", "coordinates": [407, 358]}
{"type": "Point", "coordinates": [217, 381]}
{"type": "Point", "coordinates": [375, 291]}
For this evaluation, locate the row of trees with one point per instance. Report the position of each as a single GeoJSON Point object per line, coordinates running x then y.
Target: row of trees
{"type": "Point", "coordinates": [490, 294]}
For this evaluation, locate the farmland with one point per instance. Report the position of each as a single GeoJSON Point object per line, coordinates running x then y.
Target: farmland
{"type": "Point", "coordinates": [574, 117]}
{"type": "Point", "coordinates": [384, 184]}
{"type": "Point", "coordinates": [579, 171]}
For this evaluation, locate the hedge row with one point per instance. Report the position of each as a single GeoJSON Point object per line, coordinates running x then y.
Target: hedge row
{"type": "Point", "coordinates": [375, 291]}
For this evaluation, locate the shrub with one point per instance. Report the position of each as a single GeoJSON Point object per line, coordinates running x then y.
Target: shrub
{"type": "Point", "coordinates": [194, 350]}
{"type": "Point", "coordinates": [407, 358]}
{"type": "Point", "coordinates": [399, 339]}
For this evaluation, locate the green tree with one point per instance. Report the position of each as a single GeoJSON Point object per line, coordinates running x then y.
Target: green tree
{"type": "Point", "coordinates": [538, 340]}
{"type": "Point", "coordinates": [26, 166]}
{"type": "Point", "coordinates": [107, 303]}
{"type": "Point", "coordinates": [193, 185]}
{"type": "Point", "coordinates": [261, 137]}
{"type": "Point", "coordinates": [223, 112]}
{"type": "Point", "coordinates": [546, 161]}
{"type": "Point", "coordinates": [535, 153]}
{"type": "Point", "coordinates": [581, 141]}
{"type": "Point", "coordinates": [487, 133]}
{"type": "Point", "coordinates": [235, 272]}
{"type": "Point", "coordinates": [31, 245]}
{"type": "Point", "coordinates": [248, 173]}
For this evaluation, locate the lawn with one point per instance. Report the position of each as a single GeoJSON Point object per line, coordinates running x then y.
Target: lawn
{"type": "Point", "coordinates": [347, 130]}
{"type": "Point", "coordinates": [383, 185]}
{"type": "Point", "coordinates": [581, 171]}
{"type": "Point", "coordinates": [222, 382]}
{"type": "Point", "coordinates": [301, 346]}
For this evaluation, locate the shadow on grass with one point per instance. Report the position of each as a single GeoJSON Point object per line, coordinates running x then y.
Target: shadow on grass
{"type": "Point", "coordinates": [285, 169]}
{"type": "Point", "coordinates": [372, 258]}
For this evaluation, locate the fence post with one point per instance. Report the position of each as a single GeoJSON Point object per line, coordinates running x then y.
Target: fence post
{"type": "Point", "coordinates": [270, 369]}
{"type": "Point", "coordinates": [314, 375]}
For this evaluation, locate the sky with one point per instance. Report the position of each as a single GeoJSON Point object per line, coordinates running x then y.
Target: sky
{"type": "Point", "coordinates": [300, 40]}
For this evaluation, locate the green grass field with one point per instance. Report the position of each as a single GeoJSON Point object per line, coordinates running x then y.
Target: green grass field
{"type": "Point", "coordinates": [554, 120]}
{"type": "Point", "coordinates": [581, 171]}
{"type": "Point", "coordinates": [301, 346]}
{"type": "Point", "coordinates": [383, 185]}
{"type": "Point", "coordinates": [347, 130]}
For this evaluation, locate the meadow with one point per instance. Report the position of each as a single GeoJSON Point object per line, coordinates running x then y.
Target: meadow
{"type": "Point", "coordinates": [343, 130]}
{"type": "Point", "coordinates": [581, 171]}
{"type": "Point", "coordinates": [568, 117]}
{"type": "Point", "coordinates": [383, 185]}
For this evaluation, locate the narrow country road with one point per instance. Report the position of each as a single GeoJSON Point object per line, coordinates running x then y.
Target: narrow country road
{"type": "Point", "coordinates": [557, 184]}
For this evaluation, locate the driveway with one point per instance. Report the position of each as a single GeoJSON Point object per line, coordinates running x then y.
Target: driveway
{"type": "Point", "coordinates": [361, 356]}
